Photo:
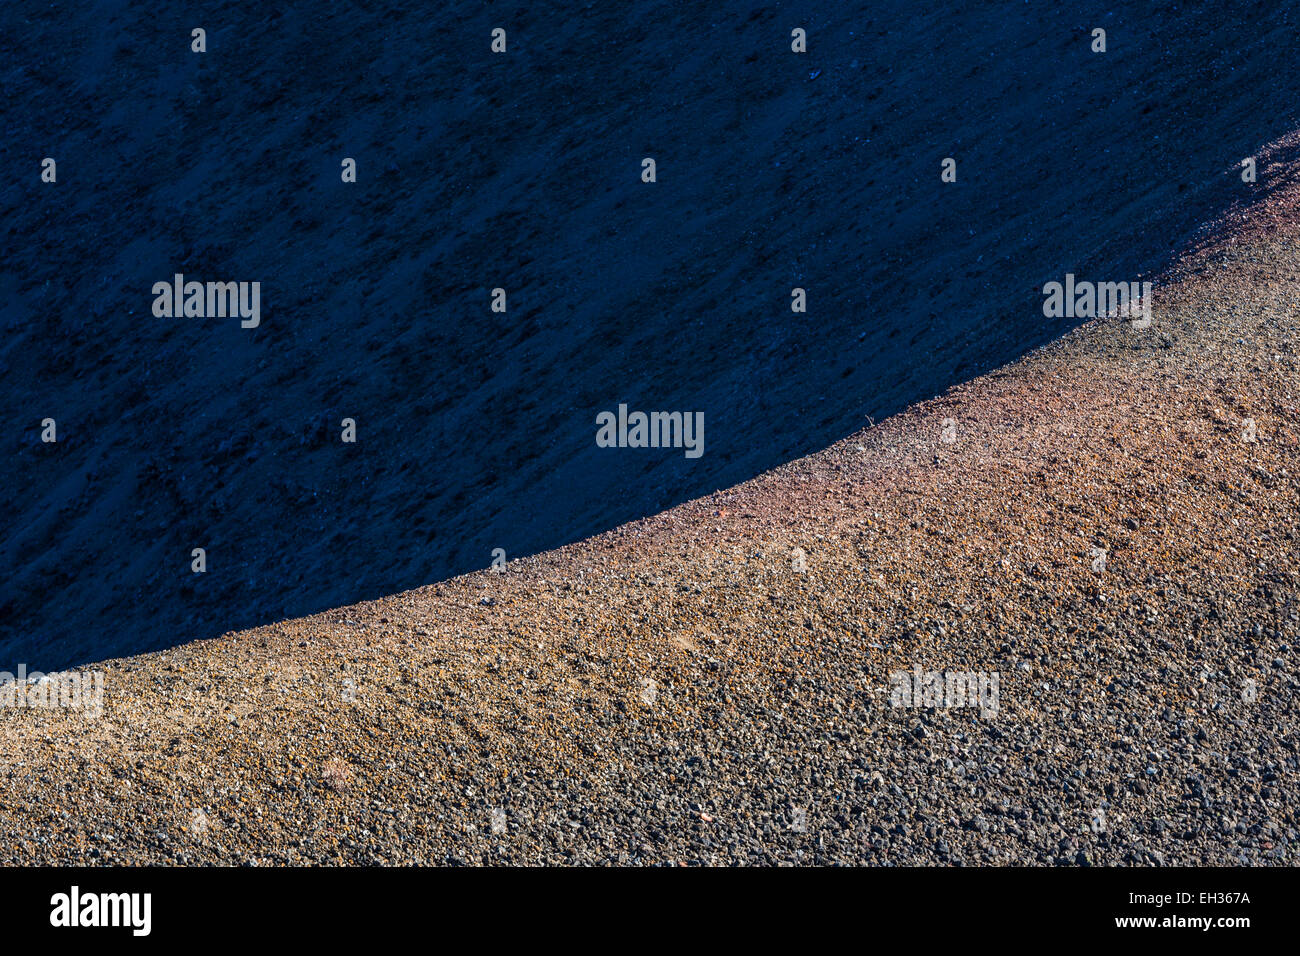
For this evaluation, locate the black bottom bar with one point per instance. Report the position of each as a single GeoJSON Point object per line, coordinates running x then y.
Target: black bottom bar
{"type": "Point", "coordinates": [336, 906]}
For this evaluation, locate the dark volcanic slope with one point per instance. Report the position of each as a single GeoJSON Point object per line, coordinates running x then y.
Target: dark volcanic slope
{"type": "Point", "coordinates": [775, 170]}
{"type": "Point", "coordinates": [692, 688]}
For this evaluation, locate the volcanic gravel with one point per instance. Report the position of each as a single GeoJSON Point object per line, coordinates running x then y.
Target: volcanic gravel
{"type": "Point", "coordinates": [711, 685]}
